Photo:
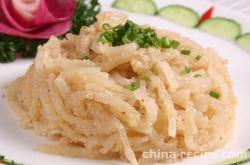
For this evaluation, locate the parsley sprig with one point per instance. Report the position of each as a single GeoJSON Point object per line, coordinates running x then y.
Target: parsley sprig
{"type": "Point", "coordinates": [84, 15]}
{"type": "Point", "coordinates": [10, 46]}
{"type": "Point", "coordinates": [7, 51]}
{"type": "Point", "coordinates": [5, 161]}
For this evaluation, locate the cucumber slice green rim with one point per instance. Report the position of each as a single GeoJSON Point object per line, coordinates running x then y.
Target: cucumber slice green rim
{"type": "Point", "coordinates": [223, 27]}
{"type": "Point", "coordinates": [180, 15]}
{"type": "Point", "coordinates": [240, 159]}
{"type": "Point", "coordinates": [244, 41]}
{"type": "Point", "coordinates": [137, 6]}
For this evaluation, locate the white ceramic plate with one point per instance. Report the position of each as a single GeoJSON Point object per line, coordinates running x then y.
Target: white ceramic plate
{"type": "Point", "coordinates": [19, 144]}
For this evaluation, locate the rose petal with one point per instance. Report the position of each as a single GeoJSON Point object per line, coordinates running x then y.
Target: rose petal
{"type": "Point", "coordinates": [21, 13]}
{"type": "Point", "coordinates": [2, 16]}
{"type": "Point", "coordinates": [26, 8]}
{"type": "Point", "coordinates": [5, 6]}
{"type": "Point", "coordinates": [45, 14]}
{"type": "Point", "coordinates": [55, 29]}
{"type": "Point", "coordinates": [61, 8]}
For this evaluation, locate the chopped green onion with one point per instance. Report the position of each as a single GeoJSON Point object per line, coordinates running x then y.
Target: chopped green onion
{"type": "Point", "coordinates": [157, 43]}
{"type": "Point", "coordinates": [198, 57]}
{"type": "Point", "coordinates": [133, 86]}
{"type": "Point", "coordinates": [103, 39]}
{"type": "Point", "coordinates": [144, 77]}
{"type": "Point", "coordinates": [186, 52]}
{"type": "Point", "coordinates": [106, 26]}
{"type": "Point", "coordinates": [109, 36]}
{"type": "Point", "coordinates": [155, 71]}
{"type": "Point", "coordinates": [214, 94]}
{"type": "Point", "coordinates": [175, 44]}
{"type": "Point", "coordinates": [187, 70]}
{"type": "Point", "coordinates": [145, 45]}
{"type": "Point", "coordinates": [131, 32]}
{"type": "Point", "coordinates": [165, 43]}
{"type": "Point", "coordinates": [197, 75]}
{"type": "Point", "coordinates": [125, 40]}
{"type": "Point", "coordinates": [85, 58]}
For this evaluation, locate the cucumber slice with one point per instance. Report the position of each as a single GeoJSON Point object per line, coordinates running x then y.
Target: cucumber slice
{"type": "Point", "coordinates": [137, 6]}
{"type": "Point", "coordinates": [240, 159]}
{"type": "Point", "coordinates": [244, 41]}
{"type": "Point", "coordinates": [222, 27]}
{"type": "Point", "coordinates": [180, 15]}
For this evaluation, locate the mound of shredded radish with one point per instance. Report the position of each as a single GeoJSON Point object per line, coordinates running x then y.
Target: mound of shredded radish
{"type": "Point", "coordinates": [100, 101]}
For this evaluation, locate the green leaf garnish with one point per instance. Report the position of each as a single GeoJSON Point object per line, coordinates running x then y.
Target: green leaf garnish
{"type": "Point", "coordinates": [133, 86]}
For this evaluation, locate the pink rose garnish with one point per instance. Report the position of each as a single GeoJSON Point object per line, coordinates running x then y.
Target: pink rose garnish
{"type": "Point", "coordinates": [36, 19]}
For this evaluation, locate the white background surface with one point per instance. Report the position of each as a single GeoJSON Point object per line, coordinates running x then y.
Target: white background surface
{"type": "Point", "coordinates": [19, 144]}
